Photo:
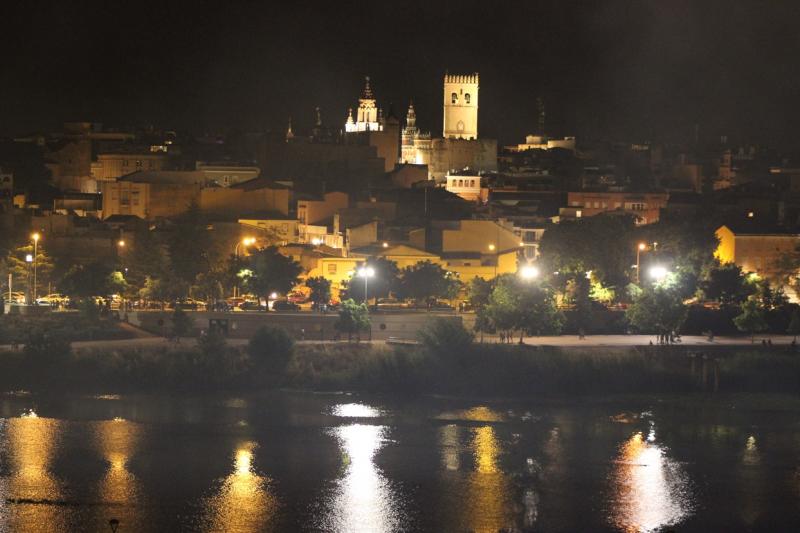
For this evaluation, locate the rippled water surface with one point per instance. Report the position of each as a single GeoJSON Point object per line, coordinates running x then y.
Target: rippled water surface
{"type": "Point", "coordinates": [291, 461]}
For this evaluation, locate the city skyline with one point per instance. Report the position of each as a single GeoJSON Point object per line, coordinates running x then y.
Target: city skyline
{"type": "Point", "coordinates": [645, 71]}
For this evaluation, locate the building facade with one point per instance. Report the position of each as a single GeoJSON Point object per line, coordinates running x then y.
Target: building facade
{"type": "Point", "coordinates": [460, 106]}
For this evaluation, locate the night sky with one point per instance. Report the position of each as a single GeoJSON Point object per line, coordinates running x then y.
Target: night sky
{"type": "Point", "coordinates": [636, 70]}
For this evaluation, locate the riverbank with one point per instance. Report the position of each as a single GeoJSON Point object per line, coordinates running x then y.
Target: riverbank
{"type": "Point", "coordinates": [475, 369]}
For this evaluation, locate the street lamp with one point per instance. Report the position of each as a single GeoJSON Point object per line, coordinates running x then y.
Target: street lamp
{"type": "Point", "coordinates": [639, 249]}
{"type": "Point", "coordinates": [366, 272]}
{"type": "Point", "coordinates": [35, 238]}
{"type": "Point", "coordinates": [529, 272]}
{"type": "Point", "coordinates": [247, 241]}
{"type": "Point", "coordinates": [658, 272]}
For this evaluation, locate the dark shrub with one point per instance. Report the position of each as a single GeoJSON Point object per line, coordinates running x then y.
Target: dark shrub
{"type": "Point", "coordinates": [270, 349]}
{"type": "Point", "coordinates": [446, 338]}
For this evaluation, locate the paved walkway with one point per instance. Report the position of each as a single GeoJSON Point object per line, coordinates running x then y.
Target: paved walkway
{"type": "Point", "coordinates": [563, 340]}
{"type": "Point", "coordinates": [645, 340]}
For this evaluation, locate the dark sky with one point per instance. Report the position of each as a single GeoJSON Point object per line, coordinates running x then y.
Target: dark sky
{"type": "Point", "coordinates": [638, 69]}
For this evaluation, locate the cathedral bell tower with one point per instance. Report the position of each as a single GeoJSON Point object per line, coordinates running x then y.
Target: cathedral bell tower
{"type": "Point", "coordinates": [367, 115]}
{"type": "Point", "coordinates": [460, 106]}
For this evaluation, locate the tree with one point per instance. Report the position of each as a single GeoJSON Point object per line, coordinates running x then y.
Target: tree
{"type": "Point", "coordinates": [270, 349]}
{"type": "Point", "coordinates": [381, 285]}
{"type": "Point", "coordinates": [320, 290]}
{"type": "Point", "coordinates": [726, 284]}
{"type": "Point", "coordinates": [770, 298]}
{"type": "Point", "coordinates": [22, 271]}
{"type": "Point", "coordinates": [182, 324]}
{"type": "Point", "coordinates": [145, 259]}
{"type": "Point", "coordinates": [657, 310]}
{"type": "Point", "coordinates": [353, 318]}
{"type": "Point", "coordinates": [269, 271]}
{"type": "Point", "coordinates": [97, 278]}
{"type": "Point", "coordinates": [426, 281]}
{"type": "Point", "coordinates": [500, 312]}
{"type": "Point", "coordinates": [794, 324]}
{"type": "Point", "coordinates": [571, 248]}
{"type": "Point", "coordinates": [580, 295]}
{"type": "Point", "coordinates": [446, 337]}
{"type": "Point", "coordinates": [752, 319]}
{"type": "Point", "coordinates": [188, 243]}
{"type": "Point", "coordinates": [536, 311]}
{"type": "Point", "coordinates": [478, 292]}
{"type": "Point", "coordinates": [209, 286]}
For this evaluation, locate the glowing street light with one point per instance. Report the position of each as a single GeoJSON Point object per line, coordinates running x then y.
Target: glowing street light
{"type": "Point", "coordinates": [121, 243]}
{"type": "Point", "coordinates": [35, 238]}
{"type": "Point", "coordinates": [529, 272]}
{"type": "Point", "coordinates": [365, 272]}
{"type": "Point", "coordinates": [658, 272]}
{"type": "Point", "coordinates": [29, 258]}
{"type": "Point", "coordinates": [247, 241]}
{"type": "Point", "coordinates": [639, 249]}
{"type": "Point", "coordinates": [492, 247]}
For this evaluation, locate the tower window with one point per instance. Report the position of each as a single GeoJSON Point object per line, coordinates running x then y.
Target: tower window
{"type": "Point", "coordinates": [466, 98]}
{"type": "Point", "coordinates": [454, 98]}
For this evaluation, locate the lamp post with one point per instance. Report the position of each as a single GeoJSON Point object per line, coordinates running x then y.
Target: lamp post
{"type": "Point", "coordinates": [658, 272]}
{"type": "Point", "coordinates": [639, 249]}
{"type": "Point", "coordinates": [247, 241]}
{"type": "Point", "coordinates": [366, 272]}
{"type": "Point", "coordinates": [29, 260]}
{"type": "Point", "coordinates": [529, 272]}
{"type": "Point", "coordinates": [35, 238]}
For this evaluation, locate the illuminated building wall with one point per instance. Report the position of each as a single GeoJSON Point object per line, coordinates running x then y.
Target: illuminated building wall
{"type": "Point", "coordinates": [460, 106]}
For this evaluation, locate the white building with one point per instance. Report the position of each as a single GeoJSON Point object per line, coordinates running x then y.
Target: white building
{"type": "Point", "coordinates": [368, 117]}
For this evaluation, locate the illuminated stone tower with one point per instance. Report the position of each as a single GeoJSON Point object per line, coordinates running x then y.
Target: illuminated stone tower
{"type": "Point", "coordinates": [460, 106]}
{"type": "Point", "coordinates": [408, 154]}
{"type": "Point", "coordinates": [367, 116]}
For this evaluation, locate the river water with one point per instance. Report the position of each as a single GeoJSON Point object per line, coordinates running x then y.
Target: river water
{"type": "Point", "coordinates": [338, 462]}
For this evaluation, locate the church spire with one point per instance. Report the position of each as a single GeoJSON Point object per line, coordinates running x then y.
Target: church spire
{"type": "Point", "coordinates": [367, 93]}
{"type": "Point", "coordinates": [411, 115]}
{"type": "Point", "coordinates": [319, 117]}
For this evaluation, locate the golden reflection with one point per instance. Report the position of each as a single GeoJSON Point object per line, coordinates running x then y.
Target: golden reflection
{"type": "Point", "coordinates": [486, 450]}
{"type": "Point", "coordinates": [752, 480]}
{"type": "Point", "coordinates": [355, 410]}
{"type": "Point", "coordinates": [31, 493]}
{"type": "Point", "coordinates": [474, 414]}
{"type": "Point", "coordinates": [243, 502]}
{"type": "Point", "coordinates": [449, 436]}
{"type": "Point", "coordinates": [649, 490]}
{"type": "Point", "coordinates": [487, 500]}
{"type": "Point", "coordinates": [363, 499]}
{"type": "Point", "coordinates": [751, 455]}
{"type": "Point", "coordinates": [117, 441]}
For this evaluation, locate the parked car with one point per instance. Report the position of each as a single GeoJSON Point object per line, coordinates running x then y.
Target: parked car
{"type": "Point", "coordinates": [285, 305]}
{"type": "Point", "coordinates": [52, 300]}
{"type": "Point", "coordinates": [251, 305]}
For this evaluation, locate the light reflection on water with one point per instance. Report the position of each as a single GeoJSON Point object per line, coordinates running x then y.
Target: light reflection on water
{"type": "Point", "coordinates": [355, 410]}
{"type": "Point", "coordinates": [649, 490]}
{"type": "Point", "coordinates": [363, 498]}
{"type": "Point", "coordinates": [436, 465]}
{"type": "Point", "coordinates": [243, 502]}
{"type": "Point", "coordinates": [117, 441]}
{"type": "Point", "coordinates": [29, 496]}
